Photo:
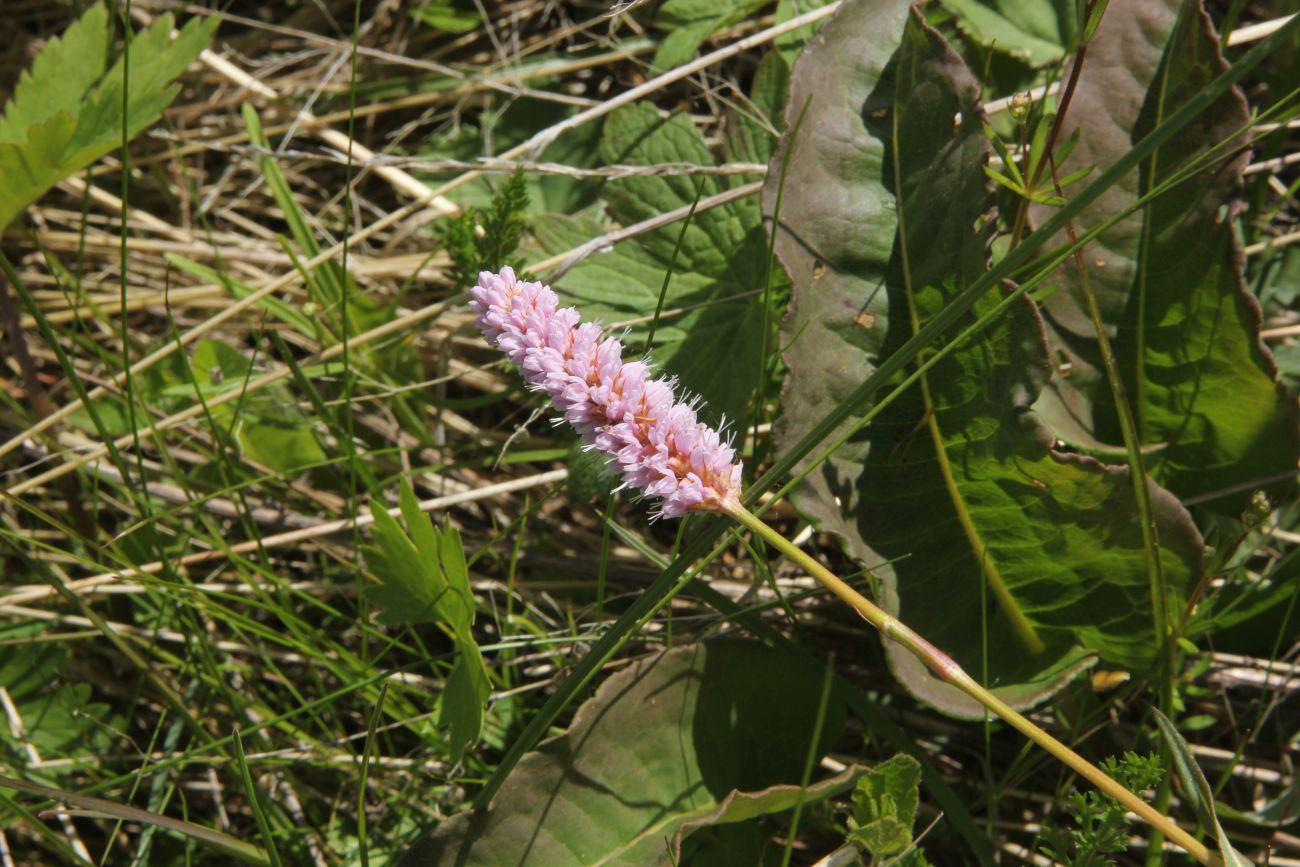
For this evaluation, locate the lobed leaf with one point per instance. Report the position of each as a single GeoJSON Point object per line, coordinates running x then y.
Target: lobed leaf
{"type": "Point", "coordinates": [424, 578]}
{"type": "Point", "coordinates": [68, 112]}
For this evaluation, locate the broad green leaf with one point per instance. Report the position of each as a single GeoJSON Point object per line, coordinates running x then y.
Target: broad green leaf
{"type": "Point", "coordinates": [661, 747]}
{"type": "Point", "coordinates": [1022, 563]}
{"type": "Point", "coordinates": [1036, 31]}
{"type": "Point", "coordinates": [690, 22]}
{"type": "Point", "coordinates": [743, 806]}
{"type": "Point", "coordinates": [269, 426]}
{"type": "Point", "coordinates": [714, 347]}
{"type": "Point", "coordinates": [58, 717]}
{"type": "Point", "coordinates": [1168, 278]}
{"type": "Point", "coordinates": [514, 123]}
{"type": "Point", "coordinates": [69, 111]}
{"type": "Point", "coordinates": [884, 806]}
{"type": "Point", "coordinates": [1196, 790]}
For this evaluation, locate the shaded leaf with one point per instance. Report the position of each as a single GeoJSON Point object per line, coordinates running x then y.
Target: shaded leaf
{"type": "Point", "coordinates": [1168, 278]}
{"type": "Point", "coordinates": [663, 744]}
{"type": "Point", "coordinates": [743, 806]}
{"type": "Point", "coordinates": [1021, 563]}
{"type": "Point", "coordinates": [791, 43]}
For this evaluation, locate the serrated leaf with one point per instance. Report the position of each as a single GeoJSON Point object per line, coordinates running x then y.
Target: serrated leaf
{"type": "Point", "coordinates": [664, 743]}
{"type": "Point", "coordinates": [1021, 563]}
{"type": "Point", "coordinates": [891, 788]}
{"type": "Point", "coordinates": [714, 348]}
{"type": "Point", "coordinates": [424, 578]}
{"type": "Point", "coordinates": [690, 22]}
{"type": "Point", "coordinates": [68, 112]}
{"type": "Point", "coordinates": [1168, 279]}
{"type": "Point", "coordinates": [65, 70]}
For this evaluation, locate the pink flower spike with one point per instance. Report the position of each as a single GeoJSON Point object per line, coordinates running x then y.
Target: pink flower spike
{"type": "Point", "coordinates": [655, 443]}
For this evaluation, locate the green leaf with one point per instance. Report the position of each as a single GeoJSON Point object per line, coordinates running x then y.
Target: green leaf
{"type": "Point", "coordinates": [423, 576]}
{"type": "Point", "coordinates": [68, 112]}
{"type": "Point", "coordinates": [712, 349]}
{"type": "Point", "coordinates": [65, 70]}
{"type": "Point", "coordinates": [661, 749]}
{"type": "Point", "coordinates": [1168, 278]}
{"type": "Point", "coordinates": [884, 806]}
{"type": "Point", "coordinates": [790, 44]}
{"type": "Point", "coordinates": [462, 706]}
{"type": "Point", "coordinates": [425, 579]}
{"type": "Point", "coordinates": [1022, 563]}
{"type": "Point", "coordinates": [269, 426]}
{"type": "Point", "coordinates": [752, 131]}
{"type": "Point", "coordinates": [1036, 31]}
{"type": "Point", "coordinates": [1196, 789]}
{"type": "Point", "coordinates": [59, 718]}
{"type": "Point", "coordinates": [449, 16]}
{"type": "Point", "coordinates": [690, 22]}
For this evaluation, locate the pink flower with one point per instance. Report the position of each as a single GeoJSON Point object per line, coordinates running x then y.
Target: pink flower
{"type": "Point", "coordinates": [655, 443]}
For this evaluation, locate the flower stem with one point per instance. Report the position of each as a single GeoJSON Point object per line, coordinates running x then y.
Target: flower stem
{"type": "Point", "coordinates": [945, 668]}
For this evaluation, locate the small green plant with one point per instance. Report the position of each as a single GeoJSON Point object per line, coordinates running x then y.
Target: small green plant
{"type": "Point", "coordinates": [486, 242]}
{"type": "Point", "coordinates": [1099, 826]}
{"type": "Point", "coordinates": [884, 810]}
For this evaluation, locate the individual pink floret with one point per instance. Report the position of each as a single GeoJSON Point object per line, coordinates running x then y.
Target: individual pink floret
{"type": "Point", "coordinates": [655, 443]}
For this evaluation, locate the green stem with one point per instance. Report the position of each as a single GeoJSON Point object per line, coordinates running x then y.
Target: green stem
{"type": "Point", "coordinates": [947, 670]}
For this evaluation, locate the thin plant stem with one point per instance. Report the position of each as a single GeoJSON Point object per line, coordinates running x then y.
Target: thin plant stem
{"type": "Point", "coordinates": [947, 670]}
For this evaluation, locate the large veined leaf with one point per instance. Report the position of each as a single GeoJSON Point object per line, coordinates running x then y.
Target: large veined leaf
{"type": "Point", "coordinates": [68, 111]}
{"type": "Point", "coordinates": [663, 747]}
{"type": "Point", "coordinates": [713, 348]}
{"type": "Point", "coordinates": [1168, 278]}
{"type": "Point", "coordinates": [1022, 563]}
